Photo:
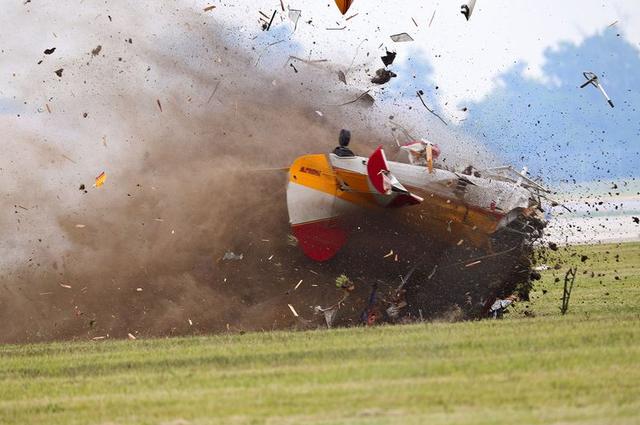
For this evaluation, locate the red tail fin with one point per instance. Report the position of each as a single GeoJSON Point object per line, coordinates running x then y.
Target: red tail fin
{"type": "Point", "coordinates": [377, 168]}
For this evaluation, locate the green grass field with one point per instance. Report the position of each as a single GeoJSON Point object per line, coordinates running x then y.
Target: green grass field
{"type": "Point", "coordinates": [580, 368]}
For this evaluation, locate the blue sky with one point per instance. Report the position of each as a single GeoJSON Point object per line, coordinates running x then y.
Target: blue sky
{"type": "Point", "coordinates": [573, 131]}
{"type": "Point", "coordinates": [553, 127]}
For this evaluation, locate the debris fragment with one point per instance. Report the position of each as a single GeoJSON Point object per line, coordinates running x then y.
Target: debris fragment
{"type": "Point", "coordinates": [49, 51]}
{"type": "Point", "coordinates": [569, 278]}
{"type": "Point", "coordinates": [299, 283]}
{"type": "Point", "coordinates": [344, 5]}
{"type": "Point", "coordinates": [208, 8]}
{"type": "Point", "coordinates": [294, 15]}
{"type": "Point", "coordinates": [329, 313]}
{"type": "Point", "coordinates": [389, 254]}
{"type": "Point", "coordinates": [352, 16]}
{"type": "Point", "coordinates": [293, 310]}
{"type": "Point", "coordinates": [467, 8]}
{"type": "Point", "coordinates": [473, 263]}
{"type": "Point", "coordinates": [319, 113]}
{"type": "Point", "coordinates": [433, 272]}
{"type": "Point", "coordinates": [393, 311]}
{"type": "Point", "coordinates": [138, 289]}
{"type": "Point", "coordinates": [229, 255]}
{"type": "Point", "coordinates": [294, 68]}
{"type": "Point", "coordinates": [420, 93]}
{"type": "Point", "coordinates": [130, 335]}
{"type": "Point", "coordinates": [159, 104]}
{"type": "Point", "coordinates": [329, 316]}
{"type": "Point", "coordinates": [68, 159]}
{"type": "Point", "coordinates": [414, 21]}
{"type": "Point", "coordinates": [499, 306]}
{"type": "Point", "coordinates": [593, 80]}
{"type": "Point", "coordinates": [81, 226]}
{"type": "Point", "coordinates": [336, 29]}
{"type": "Point", "coordinates": [432, 16]}
{"type": "Point", "coordinates": [383, 76]}
{"type": "Point", "coordinates": [402, 37]}
{"type": "Point", "coordinates": [59, 72]}
{"type": "Point", "coordinates": [65, 285]}
{"type": "Point", "coordinates": [364, 96]}
{"type": "Point", "coordinates": [388, 58]}
{"type": "Point", "coordinates": [366, 100]}
{"type": "Point", "coordinates": [214, 92]}
{"type": "Point", "coordinates": [345, 283]}
{"type": "Point", "coordinates": [100, 179]}
{"type": "Point", "coordinates": [342, 77]}
{"type": "Point", "coordinates": [310, 62]}
{"type": "Point", "coordinates": [270, 21]}
{"type": "Point", "coordinates": [98, 338]}
{"type": "Point", "coordinates": [96, 51]}
{"type": "Point", "coordinates": [636, 219]}
{"type": "Point", "coordinates": [190, 322]}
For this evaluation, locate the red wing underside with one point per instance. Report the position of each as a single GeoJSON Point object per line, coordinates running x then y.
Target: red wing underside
{"type": "Point", "coordinates": [320, 240]}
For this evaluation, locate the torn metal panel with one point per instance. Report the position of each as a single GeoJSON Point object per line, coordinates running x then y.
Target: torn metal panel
{"type": "Point", "coordinates": [294, 16]}
{"type": "Point", "coordinates": [401, 37]}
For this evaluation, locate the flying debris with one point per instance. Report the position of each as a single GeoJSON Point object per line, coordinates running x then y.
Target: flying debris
{"type": "Point", "coordinates": [231, 256]}
{"type": "Point", "coordinates": [102, 177]}
{"type": "Point", "coordinates": [593, 80]}
{"type": "Point", "coordinates": [383, 76]}
{"type": "Point", "coordinates": [344, 5]}
{"type": "Point", "coordinates": [402, 37]}
{"type": "Point", "coordinates": [467, 8]}
{"type": "Point", "coordinates": [420, 93]}
{"type": "Point", "coordinates": [294, 16]}
{"type": "Point", "coordinates": [388, 58]}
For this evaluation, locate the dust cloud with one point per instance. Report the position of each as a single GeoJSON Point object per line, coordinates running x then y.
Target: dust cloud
{"type": "Point", "coordinates": [193, 137]}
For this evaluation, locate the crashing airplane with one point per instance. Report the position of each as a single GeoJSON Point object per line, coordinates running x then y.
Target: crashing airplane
{"type": "Point", "coordinates": [470, 206]}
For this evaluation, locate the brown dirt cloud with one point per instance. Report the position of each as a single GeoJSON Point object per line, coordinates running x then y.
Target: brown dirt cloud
{"type": "Point", "coordinates": [185, 184]}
